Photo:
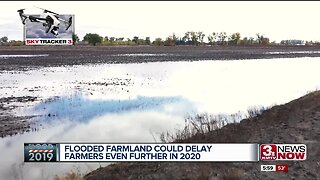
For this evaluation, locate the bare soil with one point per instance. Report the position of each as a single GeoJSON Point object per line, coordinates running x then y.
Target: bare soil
{"type": "Point", "coordinates": [11, 124]}
{"type": "Point", "coordinates": [295, 122]}
{"type": "Point", "coordinates": [79, 55]}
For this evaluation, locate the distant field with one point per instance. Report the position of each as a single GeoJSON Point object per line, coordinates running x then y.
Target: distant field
{"type": "Point", "coordinates": [77, 55]}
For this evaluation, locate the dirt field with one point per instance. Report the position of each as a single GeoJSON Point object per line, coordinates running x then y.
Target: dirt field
{"type": "Point", "coordinates": [77, 55]}
{"type": "Point", "coordinates": [9, 123]}
{"type": "Point", "coordinates": [295, 122]}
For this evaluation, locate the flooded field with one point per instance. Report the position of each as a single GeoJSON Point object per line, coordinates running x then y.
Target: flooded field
{"type": "Point", "coordinates": [136, 102]}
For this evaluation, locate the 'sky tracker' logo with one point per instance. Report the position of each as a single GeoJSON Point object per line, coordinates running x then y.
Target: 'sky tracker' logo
{"type": "Point", "coordinates": [49, 41]}
{"type": "Point", "coordinates": [275, 152]}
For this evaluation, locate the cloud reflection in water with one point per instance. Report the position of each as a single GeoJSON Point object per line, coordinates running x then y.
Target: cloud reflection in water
{"type": "Point", "coordinates": [81, 109]}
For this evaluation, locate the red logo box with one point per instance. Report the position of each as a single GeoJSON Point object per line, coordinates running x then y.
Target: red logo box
{"type": "Point", "coordinates": [268, 152]}
{"type": "Point", "coordinates": [281, 152]}
{"type": "Point", "coordinates": [282, 167]}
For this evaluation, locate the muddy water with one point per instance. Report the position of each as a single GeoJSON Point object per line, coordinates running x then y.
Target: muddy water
{"type": "Point", "coordinates": [136, 102]}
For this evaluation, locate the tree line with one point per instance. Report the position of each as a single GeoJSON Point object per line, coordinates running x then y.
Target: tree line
{"type": "Point", "coordinates": [5, 41]}
{"type": "Point", "coordinates": [189, 38]}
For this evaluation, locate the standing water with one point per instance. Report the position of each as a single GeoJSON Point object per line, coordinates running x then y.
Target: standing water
{"type": "Point", "coordinates": [136, 102]}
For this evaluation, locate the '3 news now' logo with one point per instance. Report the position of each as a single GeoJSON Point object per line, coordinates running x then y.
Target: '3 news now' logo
{"type": "Point", "coordinates": [275, 152]}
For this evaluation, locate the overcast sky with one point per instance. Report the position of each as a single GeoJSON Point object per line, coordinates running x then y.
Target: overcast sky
{"type": "Point", "coordinates": [276, 20]}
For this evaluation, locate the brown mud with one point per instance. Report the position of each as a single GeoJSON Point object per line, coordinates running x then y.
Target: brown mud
{"type": "Point", "coordinates": [81, 55]}
{"type": "Point", "coordinates": [295, 122]}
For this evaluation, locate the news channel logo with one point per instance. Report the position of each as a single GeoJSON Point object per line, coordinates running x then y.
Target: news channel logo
{"type": "Point", "coordinates": [40, 152]}
{"type": "Point", "coordinates": [280, 152]}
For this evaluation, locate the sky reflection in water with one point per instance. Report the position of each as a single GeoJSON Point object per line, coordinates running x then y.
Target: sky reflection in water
{"type": "Point", "coordinates": [78, 108]}
{"type": "Point", "coordinates": [144, 100]}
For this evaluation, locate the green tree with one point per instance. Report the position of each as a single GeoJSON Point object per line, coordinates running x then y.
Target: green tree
{"type": "Point", "coordinates": [222, 37]}
{"type": "Point", "coordinates": [92, 38]}
{"type": "Point", "coordinates": [174, 38]}
{"type": "Point", "coordinates": [4, 39]}
{"type": "Point", "coordinates": [120, 39]}
{"type": "Point", "coordinates": [141, 42]}
{"type": "Point", "coordinates": [259, 38]}
{"type": "Point", "coordinates": [200, 36]}
{"type": "Point", "coordinates": [184, 39]}
{"type": "Point", "coordinates": [251, 40]}
{"type": "Point", "coordinates": [130, 42]}
{"type": "Point", "coordinates": [235, 38]}
{"type": "Point", "coordinates": [147, 41]}
{"type": "Point", "coordinates": [244, 41]}
{"type": "Point", "coordinates": [135, 39]}
{"type": "Point", "coordinates": [212, 38]}
{"type": "Point", "coordinates": [194, 37]}
{"type": "Point", "coordinates": [112, 39]}
{"type": "Point", "coordinates": [158, 42]}
{"type": "Point", "coordinates": [187, 36]}
{"type": "Point", "coordinates": [75, 38]}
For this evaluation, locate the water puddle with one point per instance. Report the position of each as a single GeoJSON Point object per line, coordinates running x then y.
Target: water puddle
{"type": "Point", "coordinates": [143, 54]}
{"type": "Point", "coordinates": [83, 109]}
{"type": "Point", "coordinates": [22, 56]}
{"type": "Point", "coordinates": [136, 102]}
{"type": "Point", "coordinates": [294, 52]}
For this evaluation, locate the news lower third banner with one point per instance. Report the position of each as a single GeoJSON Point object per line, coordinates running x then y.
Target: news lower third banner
{"type": "Point", "coordinates": [89, 152]}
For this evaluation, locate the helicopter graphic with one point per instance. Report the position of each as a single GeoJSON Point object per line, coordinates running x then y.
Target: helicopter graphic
{"type": "Point", "coordinates": [49, 19]}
